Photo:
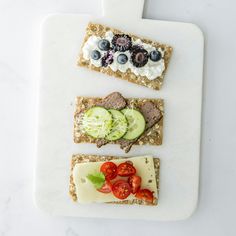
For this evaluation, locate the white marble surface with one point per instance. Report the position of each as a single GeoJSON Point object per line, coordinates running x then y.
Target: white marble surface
{"type": "Point", "coordinates": [19, 53]}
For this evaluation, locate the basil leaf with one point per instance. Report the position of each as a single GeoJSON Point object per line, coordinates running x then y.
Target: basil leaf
{"type": "Point", "coordinates": [97, 179]}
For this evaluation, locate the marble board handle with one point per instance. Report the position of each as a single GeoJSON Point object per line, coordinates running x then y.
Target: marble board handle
{"type": "Point", "coordinates": [123, 9]}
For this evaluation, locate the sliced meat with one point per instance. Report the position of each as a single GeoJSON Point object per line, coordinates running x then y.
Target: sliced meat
{"type": "Point", "coordinates": [126, 145]}
{"type": "Point", "coordinates": [101, 142]}
{"type": "Point", "coordinates": [151, 114]}
{"type": "Point", "coordinates": [113, 101]}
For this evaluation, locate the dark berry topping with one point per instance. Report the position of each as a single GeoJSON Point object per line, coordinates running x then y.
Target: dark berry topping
{"type": "Point", "coordinates": [104, 45]}
{"type": "Point", "coordinates": [155, 55]}
{"type": "Point", "coordinates": [95, 54]}
{"type": "Point", "coordinates": [139, 57]}
{"type": "Point", "coordinates": [135, 48]}
{"type": "Point", "coordinates": [121, 42]}
{"type": "Point", "coordinates": [122, 59]}
{"type": "Point", "coordinates": [107, 59]}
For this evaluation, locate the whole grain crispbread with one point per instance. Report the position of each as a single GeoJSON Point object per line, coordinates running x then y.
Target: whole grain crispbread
{"type": "Point", "coordinates": [100, 30]}
{"type": "Point", "coordinates": [82, 158]}
{"type": "Point", "coordinates": [152, 136]}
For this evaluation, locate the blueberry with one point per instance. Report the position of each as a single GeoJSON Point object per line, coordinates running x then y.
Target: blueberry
{"type": "Point", "coordinates": [122, 59]}
{"type": "Point", "coordinates": [95, 55]}
{"type": "Point", "coordinates": [104, 45]}
{"type": "Point", "coordinates": [155, 55]}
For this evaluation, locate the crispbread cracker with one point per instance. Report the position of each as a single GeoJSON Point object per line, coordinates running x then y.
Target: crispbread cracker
{"type": "Point", "coordinates": [82, 158]}
{"type": "Point", "coordinates": [152, 136]}
{"type": "Point", "coordinates": [100, 30]}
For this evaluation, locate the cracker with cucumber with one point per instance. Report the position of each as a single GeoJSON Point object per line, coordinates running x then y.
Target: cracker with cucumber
{"type": "Point", "coordinates": [118, 120]}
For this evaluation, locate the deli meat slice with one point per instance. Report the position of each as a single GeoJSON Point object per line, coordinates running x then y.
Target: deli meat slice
{"type": "Point", "coordinates": [126, 145]}
{"type": "Point", "coordinates": [101, 142]}
{"type": "Point", "coordinates": [113, 101]}
{"type": "Point", "coordinates": [151, 114]}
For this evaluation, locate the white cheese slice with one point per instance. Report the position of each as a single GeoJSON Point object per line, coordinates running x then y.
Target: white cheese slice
{"type": "Point", "coordinates": [86, 192]}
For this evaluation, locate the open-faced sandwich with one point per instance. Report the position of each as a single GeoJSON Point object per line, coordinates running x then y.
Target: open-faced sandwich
{"type": "Point", "coordinates": [126, 56]}
{"type": "Point", "coordinates": [109, 179]}
{"type": "Point", "coordinates": [114, 119]}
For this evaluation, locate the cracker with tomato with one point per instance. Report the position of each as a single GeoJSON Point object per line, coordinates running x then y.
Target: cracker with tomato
{"type": "Point", "coordinates": [117, 180]}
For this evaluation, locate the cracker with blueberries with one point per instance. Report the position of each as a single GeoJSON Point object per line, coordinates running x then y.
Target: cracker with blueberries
{"type": "Point", "coordinates": [126, 56]}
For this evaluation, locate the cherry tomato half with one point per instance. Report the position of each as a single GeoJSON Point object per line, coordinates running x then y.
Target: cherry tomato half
{"type": "Point", "coordinates": [126, 169]}
{"type": "Point", "coordinates": [145, 194]}
{"type": "Point", "coordinates": [109, 169]}
{"type": "Point", "coordinates": [121, 189]}
{"type": "Point", "coordinates": [135, 183]}
{"type": "Point", "coordinates": [106, 188]}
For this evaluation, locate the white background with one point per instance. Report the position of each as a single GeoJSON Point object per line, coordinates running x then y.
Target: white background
{"type": "Point", "coordinates": [19, 59]}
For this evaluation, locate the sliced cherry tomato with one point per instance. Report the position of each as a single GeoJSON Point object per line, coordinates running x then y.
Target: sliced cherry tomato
{"type": "Point", "coordinates": [109, 169]}
{"type": "Point", "coordinates": [145, 194]}
{"type": "Point", "coordinates": [135, 183]}
{"type": "Point", "coordinates": [126, 169]}
{"type": "Point", "coordinates": [106, 188]}
{"type": "Point", "coordinates": [121, 189]}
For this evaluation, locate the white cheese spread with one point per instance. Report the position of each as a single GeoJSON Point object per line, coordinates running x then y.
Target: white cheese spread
{"type": "Point", "coordinates": [151, 70]}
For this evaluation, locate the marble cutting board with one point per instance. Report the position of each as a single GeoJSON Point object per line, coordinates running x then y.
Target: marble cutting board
{"type": "Point", "coordinates": [61, 81]}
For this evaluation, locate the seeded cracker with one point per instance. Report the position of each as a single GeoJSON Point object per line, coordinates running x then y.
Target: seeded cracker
{"type": "Point", "coordinates": [152, 136]}
{"type": "Point", "coordinates": [100, 30]}
{"type": "Point", "coordinates": [81, 158]}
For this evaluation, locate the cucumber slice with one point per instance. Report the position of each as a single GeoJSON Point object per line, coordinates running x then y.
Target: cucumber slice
{"type": "Point", "coordinates": [119, 125]}
{"type": "Point", "coordinates": [136, 123]}
{"type": "Point", "coordinates": [97, 122]}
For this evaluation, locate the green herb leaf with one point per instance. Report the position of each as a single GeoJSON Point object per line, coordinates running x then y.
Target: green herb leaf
{"type": "Point", "coordinates": [97, 179]}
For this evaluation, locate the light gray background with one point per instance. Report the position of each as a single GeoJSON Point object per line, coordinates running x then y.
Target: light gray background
{"type": "Point", "coordinates": [19, 59]}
